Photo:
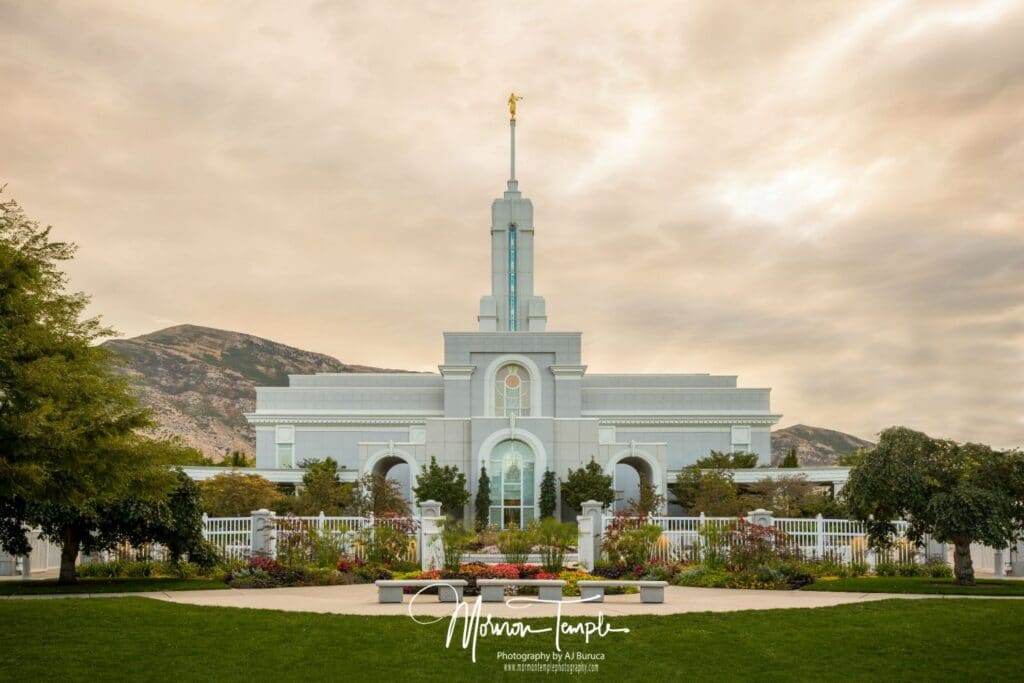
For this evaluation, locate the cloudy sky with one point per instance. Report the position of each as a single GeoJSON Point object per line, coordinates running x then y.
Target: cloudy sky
{"type": "Point", "coordinates": [823, 198]}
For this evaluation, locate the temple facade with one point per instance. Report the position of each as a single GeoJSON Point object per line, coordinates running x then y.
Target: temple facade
{"type": "Point", "coordinates": [513, 397]}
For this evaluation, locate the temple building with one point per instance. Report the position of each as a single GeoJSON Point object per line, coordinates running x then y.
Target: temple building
{"type": "Point", "coordinates": [513, 396]}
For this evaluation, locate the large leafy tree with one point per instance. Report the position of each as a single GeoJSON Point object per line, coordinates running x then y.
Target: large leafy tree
{"type": "Point", "coordinates": [376, 494]}
{"type": "Point", "coordinates": [68, 421]}
{"type": "Point", "coordinates": [446, 485]}
{"type": "Point", "coordinates": [234, 494]}
{"type": "Point", "coordinates": [323, 490]}
{"type": "Point", "coordinates": [955, 493]}
{"type": "Point", "coordinates": [588, 483]}
{"type": "Point", "coordinates": [710, 491]}
{"type": "Point", "coordinates": [728, 461]}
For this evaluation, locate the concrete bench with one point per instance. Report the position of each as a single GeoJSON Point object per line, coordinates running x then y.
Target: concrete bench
{"type": "Point", "coordinates": [448, 590]}
{"type": "Point", "coordinates": [493, 590]}
{"type": "Point", "coordinates": [650, 591]}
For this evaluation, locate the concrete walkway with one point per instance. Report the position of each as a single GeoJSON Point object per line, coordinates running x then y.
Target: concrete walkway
{"type": "Point", "coordinates": [362, 599]}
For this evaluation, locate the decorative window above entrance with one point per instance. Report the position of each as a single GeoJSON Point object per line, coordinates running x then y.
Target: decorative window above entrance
{"type": "Point", "coordinates": [512, 391]}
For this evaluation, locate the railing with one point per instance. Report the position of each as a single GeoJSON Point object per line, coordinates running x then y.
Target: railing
{"type": "Point", "coordinates": [232, 535]}
{"type": "Point", "coordinates": [685, 539]}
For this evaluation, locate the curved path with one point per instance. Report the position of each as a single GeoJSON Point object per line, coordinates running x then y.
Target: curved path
{"type": "Point", "coordinates": [362, 599]}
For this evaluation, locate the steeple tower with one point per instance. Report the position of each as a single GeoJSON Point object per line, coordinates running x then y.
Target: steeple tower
{"type": "Point", "coordinates": [512, 307]}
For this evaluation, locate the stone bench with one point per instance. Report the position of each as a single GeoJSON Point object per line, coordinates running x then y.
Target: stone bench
{"type": "Point", "coordinates": [448, 590]}
{"type": "Point", "coordinates": [493, 590]}
{"type": "Point", "coordinates": [650, 591]}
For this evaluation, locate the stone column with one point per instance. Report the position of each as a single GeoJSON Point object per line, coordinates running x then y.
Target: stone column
{"type": "Point", "coordinates": [762, 517]}
{"type": "Point", "coordinates": [1018, 558]}
{"type": "Point", "coordinates": [431, 524]}
{"type": "Point", "coordinates": [264, 534]}
{"type": "Point", "coordinates": [595, 510]}
{"type": "Point", "coordinates": [585, 541]}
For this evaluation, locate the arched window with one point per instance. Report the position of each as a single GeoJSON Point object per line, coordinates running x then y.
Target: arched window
{"type": "Point", "coordinates": [511, 471]}
{"type": "Point", "coordinates": [512, 391]}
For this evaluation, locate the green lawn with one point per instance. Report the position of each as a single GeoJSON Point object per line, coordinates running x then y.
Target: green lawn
{"type": "Point", "coordinates": [48, 586]}
{"type": "Point", "coordinates": [917, 584]}
{"type": "Point", "coordinates": [137, 639]}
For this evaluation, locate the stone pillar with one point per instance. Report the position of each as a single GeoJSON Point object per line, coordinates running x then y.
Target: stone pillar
{"type": "Point", "coordinates": [264, 534]}
{"type": "Point", "coordinates": [595, 510]}
{"type": "Point", "coordinates": [431, 524]}
{"type": "Point", "coordinates": [585, 541]}
{"type": "Point", "coordinates": [1017, 557]}
{"type": "Point", "coordinates": [761, 516]}
{"type": "Point", "coordinates": [998, 567]}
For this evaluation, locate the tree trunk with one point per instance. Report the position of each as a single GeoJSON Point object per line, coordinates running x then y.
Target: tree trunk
{"type": "Point", "coordinates": [963, 567]}
{"type": "Point", "coordinates": [70, 544]}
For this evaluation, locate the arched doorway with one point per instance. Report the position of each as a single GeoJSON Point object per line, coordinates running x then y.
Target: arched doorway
{"type": "Point", "coordinates": [628, 470]}
{"type": "Point", "coordinates": [392, 465]}
{"type": "Point", "coordinates": [511, 468]}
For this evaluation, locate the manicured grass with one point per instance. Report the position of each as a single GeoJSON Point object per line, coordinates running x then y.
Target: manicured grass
{"type": "Point", "coordinates": [139, 585]}
{"type": "Point", "coordinates": [917, 584]}
{"type": "Point", "coordinates": [137, 639]}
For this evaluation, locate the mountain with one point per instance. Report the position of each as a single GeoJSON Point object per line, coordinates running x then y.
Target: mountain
{"type": "Point", "coordinates": [815, 446]}
{"type": "Point", "coordinates": [200, 380]}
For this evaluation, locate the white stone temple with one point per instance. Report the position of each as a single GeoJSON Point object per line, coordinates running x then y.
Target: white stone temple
{"type": "Point", "coordinates": [513, 396]}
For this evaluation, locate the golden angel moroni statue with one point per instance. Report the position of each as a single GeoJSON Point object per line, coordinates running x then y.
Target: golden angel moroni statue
{"type": "Point", "coordinates": [512, 99]}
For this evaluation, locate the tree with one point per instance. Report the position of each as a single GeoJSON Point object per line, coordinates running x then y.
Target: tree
{"type": "Point", "coordinates": [852, 459]}
{"type": "Point", "coordinates": [447, 485]}
{"type": "Point", "coordinates": [790, 460]}
{"type": "Point", "coordinates": [68, 421]}
{"type": "Point", "coordinates": [376, 494]}
{"type": "Point", "coordinates": [728, 461]}
{"type": "Point", "coordinates": [174, 521]}
{"type": "Point", "coordinates": [483, 500]}
{"type": "Point", "coordinates": [588, 483]}
{"type": "Point", "coordinates": [648, 501]}
{"type": "Point", "coordinates": [322, 489]}
{"type": "Point", "coordinates": [233, 494]}
{"type": "Point", "coordinates": [237, 459]}
{"type": "Point", "coordinates": [709, 491]}
{"type": "Point", "coordinates": [955, 493]}
{"type": "Point", "coordinates": [548, 494]}
{"type": "Point", "coordinates": [781, 495]}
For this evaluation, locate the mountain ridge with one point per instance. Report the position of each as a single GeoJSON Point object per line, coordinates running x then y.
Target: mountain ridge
{"type": "Point", "coordinates": [200, 381]}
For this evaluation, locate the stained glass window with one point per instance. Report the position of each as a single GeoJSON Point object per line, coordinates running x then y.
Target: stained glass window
{"type": "Point", "coordinates": [512, 391]}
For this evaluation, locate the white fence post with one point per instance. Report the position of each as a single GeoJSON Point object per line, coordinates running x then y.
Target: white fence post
{"type": "Point", "coordinates": [821, 536]}
{"type": "Point", "coordinates": [206, 527]}
{"type": "Point", "coordinates": [431, 522]}
{"type": "Point", "coordinates": [595, 510]}
{"type": "Point", "coordinates": [321, 522]}
{"type": "Point", "coordinates": [585, 541]}
{"type": "Point", "coordinates": [701, 550]}
{"type": "Point", "coordinates": [264, 534]}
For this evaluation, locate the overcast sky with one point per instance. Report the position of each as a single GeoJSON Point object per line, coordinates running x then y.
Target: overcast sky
{"type": "Point", "coordinates": [821, 198]}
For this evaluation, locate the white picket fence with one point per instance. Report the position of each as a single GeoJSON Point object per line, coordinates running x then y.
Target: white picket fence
{"type": "Point", "coordinates": [840, 540]}
{"type": "Point", "coordinates": [234, 535]}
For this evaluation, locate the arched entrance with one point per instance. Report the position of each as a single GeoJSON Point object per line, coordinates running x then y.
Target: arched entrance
{"type": "Point", "coordinates": [628, 469]}
{"type": "Point", "coordinates": [394, 465]}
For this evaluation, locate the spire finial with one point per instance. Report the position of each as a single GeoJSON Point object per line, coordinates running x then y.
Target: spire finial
{"type": "Point", "coordinates": [513, 185]}
{"type": "Point", "coordinates": [512, 99]}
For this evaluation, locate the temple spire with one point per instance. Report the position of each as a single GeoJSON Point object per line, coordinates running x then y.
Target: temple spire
{"type": "Point", "coordinates": [513, 184]}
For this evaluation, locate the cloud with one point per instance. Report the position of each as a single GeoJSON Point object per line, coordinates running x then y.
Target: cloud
{"type": "Point", "coordinates": [819, 198]}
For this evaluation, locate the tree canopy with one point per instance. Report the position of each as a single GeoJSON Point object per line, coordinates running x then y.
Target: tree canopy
{"type": "Point", "coordinates": [588, 483]}
{"type": "Point", "coordinates": [68, 422]}
{"type": "Point", "coordinates": [235, 494]}
{"type": "Point", "coordinates": [954, 493]}
{"type": "Point", "coordinates": [447, 485]}
{"type": "Point", "coordinates": [727, 461]}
